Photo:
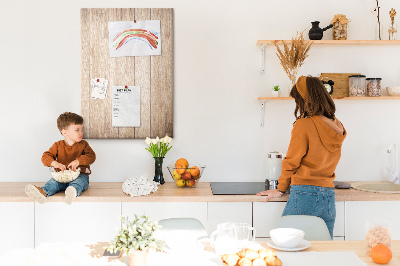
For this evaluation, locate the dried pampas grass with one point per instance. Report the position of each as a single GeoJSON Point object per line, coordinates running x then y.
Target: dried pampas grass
{"type": "Point", "coordinates": [292, 58]}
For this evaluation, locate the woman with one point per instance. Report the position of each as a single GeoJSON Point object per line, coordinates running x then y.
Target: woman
{"type": "Point", "coordinates": [313, 154]}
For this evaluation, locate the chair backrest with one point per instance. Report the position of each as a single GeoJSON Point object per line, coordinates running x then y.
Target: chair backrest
{"type": "Point", "coordinates": [314, 227]}
{"type": "Point", "coordinates": [181, 224]}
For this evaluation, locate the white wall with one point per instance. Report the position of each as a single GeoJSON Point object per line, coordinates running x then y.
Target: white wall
{"type": "Point", "coordinates": [216, 84]}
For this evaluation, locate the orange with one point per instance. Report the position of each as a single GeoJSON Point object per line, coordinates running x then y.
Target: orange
{"type": "Point", "coordinates": [181, 165]}
{"type": "Point", "coordinates": [182, 162]}
{"type": "Point", "coordinates": [381, 254]}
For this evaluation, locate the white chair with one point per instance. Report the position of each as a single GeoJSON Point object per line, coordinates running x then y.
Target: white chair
{"type": "Point", "coordinates": [181, 224]}
{"type": "Point", "coordinates": [314, 227]}
{"type": "Point", "coordinates": [182, 233]}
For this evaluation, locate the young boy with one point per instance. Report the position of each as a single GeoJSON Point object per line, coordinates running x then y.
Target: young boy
{"type": "Point", "coordinates": [68, 153]}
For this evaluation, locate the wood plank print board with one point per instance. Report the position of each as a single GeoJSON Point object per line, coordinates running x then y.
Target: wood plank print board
{"type": "Point", "coordinates": [153, 74]}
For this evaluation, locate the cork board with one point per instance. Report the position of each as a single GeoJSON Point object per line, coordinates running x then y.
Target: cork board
{"type": "Point", "coordinates": [154, 75]}
{"type": "Point", "coordinates": [341, 80]}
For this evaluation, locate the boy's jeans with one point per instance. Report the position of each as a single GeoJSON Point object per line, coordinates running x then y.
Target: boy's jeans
{"type": "Point", "coordinates": [314, 201]}
{"type": "Point", "coordinates": [80, 184]}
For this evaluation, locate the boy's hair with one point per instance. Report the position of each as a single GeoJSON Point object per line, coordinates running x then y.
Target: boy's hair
{"type": "Point", "coordinates": [319, 100]}
{"type": "Point", "coordinates": [66, 119]}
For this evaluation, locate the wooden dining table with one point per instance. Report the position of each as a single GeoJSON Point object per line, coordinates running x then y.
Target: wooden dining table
{"type": "Point", "coordinates": [92, 253]}
{"type": "Point", "coordinates": [358, 247]}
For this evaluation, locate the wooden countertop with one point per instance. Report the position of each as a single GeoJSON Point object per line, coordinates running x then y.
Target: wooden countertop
{"type": "Point", "coordinates": [112, 192]}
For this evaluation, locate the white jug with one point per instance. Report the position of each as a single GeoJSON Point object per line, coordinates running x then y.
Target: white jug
{"type": "Point", "coordinates": [223, 239]}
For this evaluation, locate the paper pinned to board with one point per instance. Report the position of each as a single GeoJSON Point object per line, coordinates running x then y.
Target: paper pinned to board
{"type": "Point", "coordinates": [134, 38]}
{"type": "Point", "coordinates": [99, 88]}
{"type": "Point", "coordinates": [126, 106]}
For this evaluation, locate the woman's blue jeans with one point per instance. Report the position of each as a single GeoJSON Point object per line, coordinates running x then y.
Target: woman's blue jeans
{"type": "Point", "coordinates": [314, 201]}
{"type": "Point", "coordinates": [80, 184]}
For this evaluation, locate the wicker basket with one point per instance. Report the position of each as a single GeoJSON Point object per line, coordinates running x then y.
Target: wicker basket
{"type": "Point", "coordinates": [65, 176]}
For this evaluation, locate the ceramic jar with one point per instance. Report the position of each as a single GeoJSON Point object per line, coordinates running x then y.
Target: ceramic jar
{"type": "Point", "coordinates": [357, 84]}
{"type": "Point", "coordinates": [374, 87]}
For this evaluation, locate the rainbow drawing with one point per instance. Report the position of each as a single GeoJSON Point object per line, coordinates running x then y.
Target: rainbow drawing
{"type": "Point", "coordinates": [125, 36]}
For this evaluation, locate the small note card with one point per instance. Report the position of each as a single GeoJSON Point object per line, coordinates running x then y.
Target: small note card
{"type": "Point", "coordinates": [99, 88]}
{"type": "Point", "coordinates": [126, 106]}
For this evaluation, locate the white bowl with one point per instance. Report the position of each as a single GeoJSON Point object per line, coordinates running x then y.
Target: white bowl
{"type": "Point", "coordinates": [393, 91]}
{"type": "Point", "coordinates": [287, 237]}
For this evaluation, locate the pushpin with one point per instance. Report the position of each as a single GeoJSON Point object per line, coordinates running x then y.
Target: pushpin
{"type": "Point", "coordinates": [98, 80]}
{"type": "Point", "coordinates": [126, 87]}
{"type": "Point", "coordinates": [134, 21]}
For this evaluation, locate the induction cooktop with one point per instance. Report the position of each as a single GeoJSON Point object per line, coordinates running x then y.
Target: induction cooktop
{"type": "Point", "coordinates": [237, 188]}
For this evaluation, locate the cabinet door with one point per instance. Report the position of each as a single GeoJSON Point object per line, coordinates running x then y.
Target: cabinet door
{"type": "Point", "coordinates": [358, 212]}
{"type": "Point", "coordinates": [220, 212]}
{"type": "Point", "coordinates": [266, 215]}
{"type": "Point", "coordinates": [165, 210]}
{"type": "Point", "coordinates": [338, 230]}
{"type": "Point", "coordinates": [16, 226]}
{"type": "Point", "coordinates": [79, 222]}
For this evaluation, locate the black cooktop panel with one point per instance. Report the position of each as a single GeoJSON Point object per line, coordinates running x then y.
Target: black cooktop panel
{"type": "Point", "coordinates": [237, 188]}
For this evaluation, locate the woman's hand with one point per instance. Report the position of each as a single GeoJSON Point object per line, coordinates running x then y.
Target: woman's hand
{"type": "Point", "coordinates": [272, 193]}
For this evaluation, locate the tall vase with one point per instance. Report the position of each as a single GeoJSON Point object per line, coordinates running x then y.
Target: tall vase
{"type": "Point", "coordinates": [292, 81]}
{"type": "Point", "coordinates": [138, 257]}
{"type": "Point", "coordinates": [158, 174]}
{"type": "Point", "coordinates": [378, 31]}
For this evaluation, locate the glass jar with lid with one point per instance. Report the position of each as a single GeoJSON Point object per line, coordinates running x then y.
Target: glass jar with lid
{"type": "Point", "coordinates": [374, 87]}
{"type": "Point", "coordinates": [357, 84]}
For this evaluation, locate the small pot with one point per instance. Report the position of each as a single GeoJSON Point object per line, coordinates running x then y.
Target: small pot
{"type": "Point", "coordinates": [276, 93]}
{"type": "Point", "coordinates": [138, 257]}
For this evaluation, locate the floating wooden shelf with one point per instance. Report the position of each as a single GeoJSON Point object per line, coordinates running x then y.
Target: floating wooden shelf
{"type": "Point", "coordinates": [339, 42]}
{"type": "Point", "coordinates": [264, 43]}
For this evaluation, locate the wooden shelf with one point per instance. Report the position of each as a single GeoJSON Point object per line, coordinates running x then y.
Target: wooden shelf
{"type": "Point", "coordinates": [335, 98]}
{"type": "Point", "coordinates": [339, 42]}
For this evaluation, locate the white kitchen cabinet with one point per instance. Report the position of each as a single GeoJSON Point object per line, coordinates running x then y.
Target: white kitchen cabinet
{"type": "Point", "coordinates": [266, 215]}
{"type": "Point", "coordinates": [220, 212]}
{"type": "Point", "coordinates": [79, 222]}
{"type": "Point", "coordinates": [165, 210]}
{"type": "Point", "coordinates": [358, 212]}
{"type": "Point", "coordinates": [338, 230]}
{"type": "Point", "coordinates": [16, 226]}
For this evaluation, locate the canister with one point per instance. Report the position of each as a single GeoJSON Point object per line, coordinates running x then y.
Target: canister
{"type": "Point", "coordinates": [374, 87]}
{"type": "Point", "coordinates": [274, 169]}
{"type": "Point", "coordinates": [357, 84]}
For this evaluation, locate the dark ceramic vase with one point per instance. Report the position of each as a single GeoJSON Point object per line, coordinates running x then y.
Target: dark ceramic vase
{"type": "Point", "coordinates": [316, 33]}
{"type": "Point", "coordinates": [158, 174]}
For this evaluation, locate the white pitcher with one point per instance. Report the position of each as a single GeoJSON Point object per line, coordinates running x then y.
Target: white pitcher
{"type": "Point", "coordinates": [223, 239]}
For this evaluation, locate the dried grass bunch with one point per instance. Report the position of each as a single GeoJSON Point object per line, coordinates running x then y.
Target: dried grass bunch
{"type": "Point", "coordinates": [292, 58]}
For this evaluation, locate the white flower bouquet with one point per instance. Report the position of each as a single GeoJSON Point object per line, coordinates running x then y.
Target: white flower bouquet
{"type": "Point", "coordinates": [158, 147]}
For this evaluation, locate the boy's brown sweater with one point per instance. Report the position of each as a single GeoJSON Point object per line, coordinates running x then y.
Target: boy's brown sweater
{"type": "Point", "coordinates": [313, 154]}
{"type": "Point", "coordinates": [65, 154]}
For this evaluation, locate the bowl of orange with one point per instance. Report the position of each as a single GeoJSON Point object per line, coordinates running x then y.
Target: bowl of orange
{"type": "Point", "coordinates": [185, 175]}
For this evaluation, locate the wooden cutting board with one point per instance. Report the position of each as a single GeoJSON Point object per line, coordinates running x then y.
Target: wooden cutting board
{"type": "Point", "coordinates": [341, 86]}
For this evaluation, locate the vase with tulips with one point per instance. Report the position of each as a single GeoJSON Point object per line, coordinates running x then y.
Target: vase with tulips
{"type": "Point", "coordinates": [158, 148]}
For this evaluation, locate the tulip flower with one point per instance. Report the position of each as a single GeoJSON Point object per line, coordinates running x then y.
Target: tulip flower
{"type": "Point", "coordinates": [158, 147]}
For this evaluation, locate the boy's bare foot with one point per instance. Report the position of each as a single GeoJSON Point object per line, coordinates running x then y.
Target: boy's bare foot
{"type": "Point", "coordinates": [70, 195]}
{"type": "Point", "coordinates": [36, 193]}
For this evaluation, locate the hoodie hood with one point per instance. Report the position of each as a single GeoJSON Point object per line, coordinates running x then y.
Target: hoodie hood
{"type": "Point", "coordinates": [330, 133]}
